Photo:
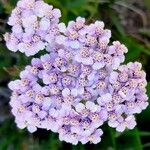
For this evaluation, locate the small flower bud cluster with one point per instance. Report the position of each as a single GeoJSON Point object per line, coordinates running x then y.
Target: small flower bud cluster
{"type": "Point", "coordinates": [33, 23]}
{"type": "Point", "coordinates": [56, 94]}
{"type": "Point", "coordinates": [80, 84]}
{"type": "Point", "coordinates": [89, 44]}
{"type": "Point", "coordinates": [75, 100]}
{"type": "Point", "coordinates": [127, 96]}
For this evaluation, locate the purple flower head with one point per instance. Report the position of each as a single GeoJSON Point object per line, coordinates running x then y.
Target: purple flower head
{"type": "Point", "coordinates": [33, 24]}
{"type": "Point", "coordinates": [79, 84]}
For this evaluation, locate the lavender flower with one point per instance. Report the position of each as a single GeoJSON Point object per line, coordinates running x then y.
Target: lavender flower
{"type": "Point", "coordinates": [33, 23]}
{"type": "Point", "coordinates": [80, 84]}
{"type": "Point", "coordinates": [127, 86]}
{"type": "Point", "coordinates": [77, 100]}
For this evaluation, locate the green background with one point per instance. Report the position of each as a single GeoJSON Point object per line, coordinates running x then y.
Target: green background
{"type": "Point", "coordinates": [129, 22]}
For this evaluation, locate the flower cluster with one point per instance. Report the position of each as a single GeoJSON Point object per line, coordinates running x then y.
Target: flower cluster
{"type": "Point", "coordinates": [33, 23]}
{"type": "Point", "coordinates": [127, 96]}
{"type": "Point", "coordinates": [73, 99]}
{"type": "Point", "coordinates": [79, 85]}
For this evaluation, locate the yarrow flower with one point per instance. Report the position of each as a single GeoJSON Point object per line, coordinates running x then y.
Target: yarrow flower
{"type": "Point", "coordinates": [33, 23]}
{"type": "Point", "coordinates": [79, 85]}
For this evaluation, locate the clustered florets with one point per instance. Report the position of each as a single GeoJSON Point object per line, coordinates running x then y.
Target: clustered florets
{"type": "Point", "coordinates": [34, 23]}
{"type": "Point", "coordinates": [79, 85]}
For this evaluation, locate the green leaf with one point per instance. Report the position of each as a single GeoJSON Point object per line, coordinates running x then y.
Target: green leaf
{"type": "Point", "coordinates": [144, 133]}
{"type": "Point", "coordinates": [148, 90]}
{"type": "Point", "coordinates": [147, 145]}
{"type": "Point", "coordinates": [78, 147]}
{"type": "Point", "coordinates": [10, 136]}
{"type": "Point", "coordinates": [54, 3]}
{"type": "Point", "coordinates": [112, 137]}
{"type": "Point", "coordinates": [129, 140]}
{"type": "Point", "coordinates": [116, 22]}
{"type": "Point", "coordinates": [145, 32]}
{"type": "Point", "coordinates": [78, 4]}
{"type": "Point", "coordinates": [108, 141]}
{"type": "Point", "coordinates": [147, 4]}
{"type": "Point", "coordinates": [134, 49]}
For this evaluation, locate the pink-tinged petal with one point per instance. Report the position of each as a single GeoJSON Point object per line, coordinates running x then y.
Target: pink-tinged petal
{"type": "Point", "coordinates": [91, 76]}
{"type": "Point", "coordinates": [129, 118]}
{"type": "Point", "coordinates": [55, 127]}
{"type": "Point", "coordinates": [121, 127]}
{"type": "Point", "coordinates": [84, 140]}
{"type": "Point", "coordinates": [46, 103]}
{"type": "Point", "coordinates": [14, 85]}
{"type": "Point", "coordinates": [27, 37]}
{"type": "Point", "coordinates": [144, 105]}
{"type": "Point", "coordinates": [80, 107]}
{"type": "Point", "coordinates": [113, 124]}
{"type": "Point", "coordinates": [122, 94]}
{"type": "Point", "coordinates": [57, 13]}
{"type": "Point", "coordinates": [112, 50]}
{"type": "Point", "coordinates": [42, 114]}
{"type": "Point", "coordinates": [81, 90]}
{"type": "Point", "coordinates": [45, 91]}
{"type": "Point", "coordinates": [21, 47]}
{"type": "Point", "coordinates": [29, 21]}
{"type": "Point", "coordinates": [116, 63]}
{"type": "Point", "coordinates": [99, 101]}
{"type": "Point", "coordinates": [53, 112]}
{"type": "Point", "coordinates": [29, 30]}
{"type": "Point", "coordinates": [113, 77]}
{"type": "Point", "coordinates": [77, 58]}
{"type": "Point", "coordinates": [104, 115]}
{"type": "Point", "coordinates": [80, 19]}
{"type": "Point", "coordinates": [74, 92]}
{"type": "Point", "coordinates": [106, 98]}
{"type": "Point", "coordinates": [75, 129]}
{"type": "Point", "coordinates": [74, 44]}
{"type": "Point", "coordinates": [61, 53]}
{"type": "Point", "coordinates": [31, 128]}
{"type": "Point", "coordinates": [99, 132]}
{"type": "Point", "coordinates": [17, 29]}
{"type": "Point", "coordinates": [13, 20]}
{"type": "Point", "coordinates": [131, 124]}
{"type": "Point", "coordinates": [65, 92]}
{"type": "Point", "coordinates": [87, 61]}
{"type": "Point", "coordinates": [91, 106]}
{"type": "Point", "coordinates": [49, 38]}
{"type": "Point", "coordinates": [44, 24]}
{"type": "Point", "coordinates": [60, 40]}
{"type": "Point", "coordinates": [12, 46]}
{"type": "Point", "coordinates": [46, 79]}
{"type": "Point", "coordinates": [21, 125]}
{"type": "Point", "coordinates": [74, 141]}
{"type": "Point", "coordinates": [87, 132]}
{"type": "Point", "coordinates": [96, 140]}
{"type": "Point", "coordinates": [137, 109]}
{"type": "Point", "coordinates": [62, 27]}
{"type": "Point", "coordinates": [40, 45]}
{"type": "Point", "coordinates": [97, 65]}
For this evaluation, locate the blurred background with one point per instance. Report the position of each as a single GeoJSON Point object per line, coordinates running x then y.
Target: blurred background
{"type": "Point", "coordinates": [129, 21]}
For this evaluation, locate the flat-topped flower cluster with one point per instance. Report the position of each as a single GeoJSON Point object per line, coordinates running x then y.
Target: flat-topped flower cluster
{"type": "Point", "coordinates": [79, 84]}
{"type": "Point", "coordinates": [33, 23]}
